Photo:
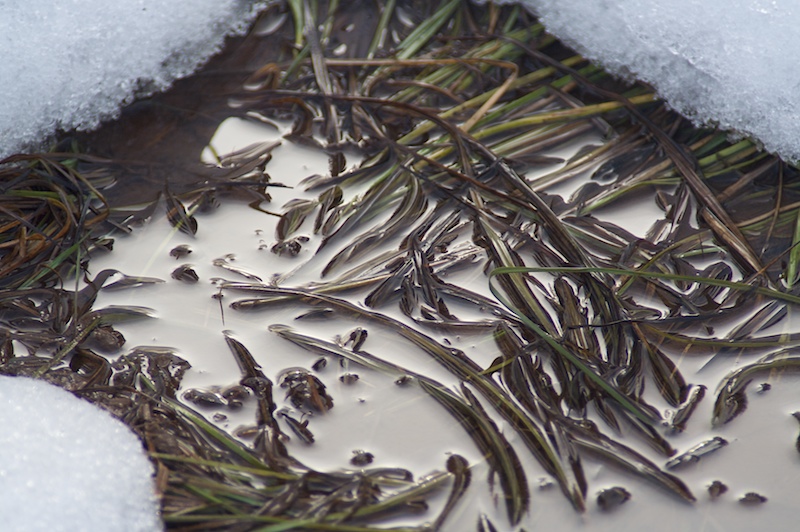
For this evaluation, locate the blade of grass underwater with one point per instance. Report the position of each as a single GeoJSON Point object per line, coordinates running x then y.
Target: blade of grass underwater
{"type": "Point", "coordinates": [407, 495]}
{"type": "Point", "coordinates": [310, 31]}
{"type": "Point", "coordinates": [733, 285]}
{"type": "Point", "coordinates": [668, 378]}
{"type": "Point", "coordinates": [53, 265]}
{"type": "Point", "coordinates": [585, 435]}
{"type": "Point", "coordinates": [602, 299]}
{"type": "Point", "coordinates": [261, 386]}
{"type": "Point", "coordinates": [475, 421]}
{"type": "Point", "coordinates": [643, 415]}
{"type": "Point", "coordinates": [634, 462]}
{"type": "Point", "coordinates": [457, 79]}
{"type": "Point", "coordinates": [683, 162]}
{"type": "Point", "coordinates": [538, 75]}
{"type": "Point", "coordinates": [214, 433]}
{"type": "Point", "coordinates": [298, 16]}
{"type": "Point", "coordinates": [517, 286]}
{"type": "Point", "coordinates": [411, 207]}
{"type": "Point", "coordinates": [793, 265]}
{"type": "Point", "coordinates": [731, 399]}
{"type": "Point", "coordinates": [67, 349]}
{"type": "Point", "coordinates": [318, 488]}
{"type": "Point", "coordinates": [516, 488]}
{"type": "Point", "coordinates": [563, 115]}
{"type": "Point", "coordinates": [765, 317]}
{"type": "Point", "coordinates": [387, 181]}
{"type": "Point", "coordinates": [690, 345]}
{"type": "Point", "coordinates": [457, 466]}
{"type": "Point", "coordinates": [204, 522]}
{"type": "Point", "coordinates": [560, 234]}
{"type": "Point", "coordinates": [453, 360]}
{"type": "Point", "coordinates": [386, 14]}
{"type": "Point", "coordinates": [523, 378]}
{"type": "Point", "coordinates": [496, 95]}
{"type": "Point", "coordinates": [260, 472]}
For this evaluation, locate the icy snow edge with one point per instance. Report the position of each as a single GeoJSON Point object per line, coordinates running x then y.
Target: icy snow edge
{"type": "Point", "coordinates": [67, 465]}
{"type": "Point", "coordinates": [71, 64]}
{"type": "Point", "coordinates": [730, 64]}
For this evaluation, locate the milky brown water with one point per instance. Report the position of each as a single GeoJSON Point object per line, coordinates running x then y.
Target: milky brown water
{"type": "Point", "coordinates": [403, 427]}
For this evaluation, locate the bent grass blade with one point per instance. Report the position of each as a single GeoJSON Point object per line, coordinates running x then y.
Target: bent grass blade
{"type": "Point", "coordinates": [454, 361]}
{"type": "Point", "coordinates": [647, 417]}
{"type": "Point", "coordinates": [479, 426]}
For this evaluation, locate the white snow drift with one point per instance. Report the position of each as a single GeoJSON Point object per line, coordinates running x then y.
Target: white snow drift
{"type": "Point", "coordinates": [731, 64]}
{"type": "Point", "coordinates": [68, 465]}
{"type": "Point", "coordinates": [72, 63]}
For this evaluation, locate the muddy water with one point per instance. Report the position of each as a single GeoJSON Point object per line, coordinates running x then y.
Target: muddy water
{"type": "Point", "coordinates": [401, 426]}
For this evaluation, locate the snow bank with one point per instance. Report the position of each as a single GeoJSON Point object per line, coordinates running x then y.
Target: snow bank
{"type": "Point", "coordinates": [718, 62]}
{"type": "Point", "coordinates": [67, 465]}
{"type": "Point", "coordinates": [71, 63]}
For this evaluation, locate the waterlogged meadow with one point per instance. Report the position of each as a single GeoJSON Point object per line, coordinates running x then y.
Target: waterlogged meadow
{"type": "Point", "coordinates": [422, 267]}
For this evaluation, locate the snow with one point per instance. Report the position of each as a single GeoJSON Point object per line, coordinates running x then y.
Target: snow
{"type": "Point", "coordinates": [723, 63]}
{"type": "Point", "coordinates": [72, 63]}
{"type": "Point", "coordinates": [67, 465]}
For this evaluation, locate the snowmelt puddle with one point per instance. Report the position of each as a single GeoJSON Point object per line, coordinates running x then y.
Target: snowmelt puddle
{"type": "Point", "coordinates": [403, 427]}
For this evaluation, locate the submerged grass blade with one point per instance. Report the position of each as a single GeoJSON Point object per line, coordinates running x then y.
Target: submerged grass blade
{"type": "Point", "coordinates": [646, 416]}
{"type": "Point", "coordinates": [499, 453]}
{"type": "Point", "coordinates": [793, 265]}
{"type": "Point", "coordinates": [769, 293]}
{"type": "Point", "coordinates": [425, 31]}
{"type": "Point", "coordinates": [454, 361]}
{"type": "Point", "coordinates": [213, 432]}
{"type": "Point", "coordinates": [731, 399]}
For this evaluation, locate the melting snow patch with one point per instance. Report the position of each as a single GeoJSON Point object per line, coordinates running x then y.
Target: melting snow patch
{"type": "Point", "coordinates": [67, 465]}
{"type": "Point", "coordinates": [726, 63]}
{"type": "Point", "coordinates": [71, 64]}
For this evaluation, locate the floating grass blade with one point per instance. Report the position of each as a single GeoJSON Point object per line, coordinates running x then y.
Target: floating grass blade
{"type": "Point", "coordinates": [633, 462]}
{"type": "Point", "coordinates": [740, 286]}
{"type": "Point", "coordinates": [457, 466]}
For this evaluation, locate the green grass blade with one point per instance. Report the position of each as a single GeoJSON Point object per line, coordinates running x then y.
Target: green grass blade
{"type": "Point", "coordinates": [610, 389]}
